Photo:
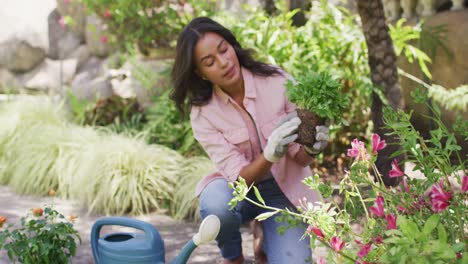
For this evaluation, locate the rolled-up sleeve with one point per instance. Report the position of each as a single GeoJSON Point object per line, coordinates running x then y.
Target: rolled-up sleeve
{"type": "Point", "coordinates": [226, 156]}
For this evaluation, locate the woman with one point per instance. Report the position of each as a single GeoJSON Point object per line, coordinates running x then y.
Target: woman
{"type": "Point", "coordinates": [242, 118]}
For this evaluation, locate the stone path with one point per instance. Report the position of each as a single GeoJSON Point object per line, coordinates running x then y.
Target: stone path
{"type": "Point", "coordinates": [175, 234]}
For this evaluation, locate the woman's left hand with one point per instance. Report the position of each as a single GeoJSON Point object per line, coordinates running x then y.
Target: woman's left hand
{"type": "Point", "coordinates": [321, 140]}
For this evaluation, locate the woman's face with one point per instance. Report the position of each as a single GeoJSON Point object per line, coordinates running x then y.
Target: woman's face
{"type": "Point", "coordinates": [216, 60]}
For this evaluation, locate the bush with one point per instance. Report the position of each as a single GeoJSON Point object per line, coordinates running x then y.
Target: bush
{"type": "Point", "coordinates": [44, 236]}
{"type": "Point", "coordinates": [147, 24]}
{"type": "Point", "coordinates": [421, 221]}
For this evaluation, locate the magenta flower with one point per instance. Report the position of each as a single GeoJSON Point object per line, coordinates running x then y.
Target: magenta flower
{"type": "Point", "coordinates": [391, 221]}
{"type": "Point", "coordinates": [316, 231]}
{"type": "Point", "coordinates": [337, 244]}
{"type": "Point", "coordinates": [62, 22]}
{"type": "Point", "coordinates": [66, 1]}
{"type": "Point", "coordinates": [358, 150]}
{"type": "Point", "coordinates": [395, 171]}
{"type": "Point", "coordinates": [107, 13]}
{"type": "Point", "coordinates": [465, 183]}
{"type": "Point", "coordinates": [402, 209]}
{"type": "Point", "coordinates": [377, 144]}
{"type": "Point", "coordinates": [104, 39]}
{"type": "Point", "coordinates": [321, 261]}
{"type": "Point", "coordinates": [364, 250]}
{"type": "Point", "coordinates": [440, 199]}
{"type": "Point", "coordinates": [378, 239]}
{"type": "Point", "coordinates": [378, 208]}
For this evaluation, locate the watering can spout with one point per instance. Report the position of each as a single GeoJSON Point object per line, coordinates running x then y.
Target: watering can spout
{"type": "Point", "coordinates": [208, 231]}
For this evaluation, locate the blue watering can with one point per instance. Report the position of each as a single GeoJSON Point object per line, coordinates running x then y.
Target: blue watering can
{"type": "Point", "coordinates": [146, 247]}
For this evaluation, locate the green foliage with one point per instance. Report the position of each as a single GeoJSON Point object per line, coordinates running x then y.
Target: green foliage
{"type": "Point", "coordinates": [402, 36]}
{"type": "Point", "coordinates": [454, 100]}
{"type": "Point", "coordinates": [46, 237]}
{"type": "Point", "coordinates": [319, 93]}
{"type": "Point", "coordinates": [147, 23]}
{"type": "Point", "coordinates": [431, 156]}
{"type": "Point", "coordinates": [166, 127]}
{"type": "Point", "coordinates": [112, 109]}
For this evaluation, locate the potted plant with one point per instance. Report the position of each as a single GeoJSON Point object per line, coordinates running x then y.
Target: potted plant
{"type": "Point", "coordinates": [319, 100]}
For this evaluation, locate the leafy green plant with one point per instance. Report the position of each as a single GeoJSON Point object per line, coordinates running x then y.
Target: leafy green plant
{"type": "Point", "coordinates": [166, 127]}
{"type": "Point", "coordinates": [320, 93]}
{"type": "Point", "coordinates": [423, 220]}
{"type": "Point", "coordinates": [44, 236]}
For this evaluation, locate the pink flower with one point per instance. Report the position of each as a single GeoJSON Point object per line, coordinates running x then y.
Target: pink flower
{"type": "Point", "coordinates": [337, 244]}
{"type": "Point", "coordinates": [402, 209]}
{"type": "Point", "coordinates": [378, 239]}
{"type": "Point", "coordinates": [358, 150]}
{"type": "Point", "coordinates": [107, 13]}
{"type": "Point", "coordinates": [465, 183]}
{"type": "Point", "coordinates": [104, 39]}
{"type": "Point", "coordinates": [391, 221]}
{"type": "Point", "coordinates": [378, 208]}
{"type": "Point", "coordinates": [66, 1]}
{"type": "Point", "coordinates": [377, 144]}
{"type": "Point", "coordinates": [316, 231]}
{"type": "Point", "coordinates": [395, 171]}
{"type": "Point", "coordinates": [440, 199]}
{"type": "Point", "coordinates": [62, 22]}
{"type": "Point", "coordinates": [364, 250]}
{"type": "Point", "coordinates": [321, 261]}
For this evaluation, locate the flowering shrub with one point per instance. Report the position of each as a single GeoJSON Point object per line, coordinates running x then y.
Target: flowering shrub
{"type": "Point", "coordinates": [44, 236]}
{"type": "Point", "coordinates": [147, 23]}
{"type": "Point", "coordinates": [423, 220]}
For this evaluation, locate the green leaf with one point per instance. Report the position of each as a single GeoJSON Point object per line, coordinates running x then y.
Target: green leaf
{"type": "Point", "coordinates": [431, 224]}
{"type": "Point", "coordinates": [267, 215]}
{"type": "Point", "coordinates": [442, 234]}
{"type": "Point", "coordinates": [259, 197]}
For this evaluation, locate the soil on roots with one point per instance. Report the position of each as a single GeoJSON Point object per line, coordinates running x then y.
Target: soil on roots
{"type": "Point", "coordinates": [306, 131]}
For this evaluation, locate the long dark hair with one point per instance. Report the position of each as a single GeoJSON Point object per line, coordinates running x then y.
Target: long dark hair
{"type": "Point", "coordinates": [189, 89]}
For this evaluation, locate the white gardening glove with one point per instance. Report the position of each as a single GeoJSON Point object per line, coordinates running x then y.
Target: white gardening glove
{"type": "Point", "coordinates": [280, 138]}
{"type": "Point", "coordinates": [321, 140]}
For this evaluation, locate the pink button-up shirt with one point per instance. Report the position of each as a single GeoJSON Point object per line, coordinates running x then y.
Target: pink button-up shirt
{"type": "Point", "coordinates": [231, 139]}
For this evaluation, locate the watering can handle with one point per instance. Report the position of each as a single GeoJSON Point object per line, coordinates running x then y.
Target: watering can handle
{"type": "Point", "coordinates": [121, 221]}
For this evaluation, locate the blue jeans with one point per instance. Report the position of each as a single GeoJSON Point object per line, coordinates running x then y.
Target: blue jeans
{"type": "Point", "coordinates": [286, 248]}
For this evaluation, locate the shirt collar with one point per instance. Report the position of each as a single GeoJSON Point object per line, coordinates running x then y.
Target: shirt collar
{"type": "Point", "coordinates": [249, 87]}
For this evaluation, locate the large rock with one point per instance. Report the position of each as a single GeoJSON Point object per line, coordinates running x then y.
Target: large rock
{"type": "Point", "coordinates": [450, 72]}
{"type": "Point", "coordinates": [19, 55]}
{"type": "Point", "coordinates": [51, 75]}
{"type": "Point", "coordinates": [24, 33]}
{"type": "Point", "coordinates": [144, 79]}
{"type": "Point", "coordinates": [62, 41]}
{"type": "Point", "coordinates": [86, 86]}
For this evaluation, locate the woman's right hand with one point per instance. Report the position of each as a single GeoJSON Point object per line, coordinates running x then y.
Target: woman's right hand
{"type": "Point", "coordinates": [280, 138]}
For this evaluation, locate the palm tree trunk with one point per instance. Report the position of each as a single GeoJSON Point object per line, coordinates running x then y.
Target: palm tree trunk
{"type": "Point", "coordinates": [383, 66]}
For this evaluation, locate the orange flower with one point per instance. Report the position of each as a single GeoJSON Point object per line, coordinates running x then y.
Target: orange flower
{"type": "Point", "coordinates": [2, 220]}
{"type": "Point", "coordinates": [51, 192]}
{"type": "Point", "coordinates": [73, 218]}
{"type": "Point", "coordinates": [37, 212]}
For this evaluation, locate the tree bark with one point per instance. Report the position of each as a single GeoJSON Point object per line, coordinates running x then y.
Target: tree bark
{"type": "Point", "coordinates": [383, 67]}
